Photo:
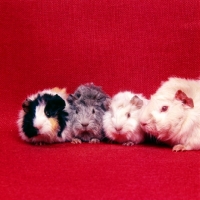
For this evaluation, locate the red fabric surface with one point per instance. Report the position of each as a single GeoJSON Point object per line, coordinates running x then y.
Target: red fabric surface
{"type": "Point", "coordinates": [120, 45]}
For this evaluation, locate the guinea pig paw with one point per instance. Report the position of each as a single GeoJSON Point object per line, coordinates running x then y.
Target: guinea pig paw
{"type": "Point", "coordinates": [39, 143]}
{"type": "Point", "coordinates": [94, 141]}
{"type": "Point", "coordinates": [109, 141]}
{"type": "Point", "coordinates": [178, 147]}
{"type": "Point", "coordinates": [76, 141]}
{"type": "Point", "coordinates": [129, 143]}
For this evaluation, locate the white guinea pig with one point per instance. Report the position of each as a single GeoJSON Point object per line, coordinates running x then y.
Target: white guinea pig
{"type": "Point", "coordinates": [44, 116]}
{"type": "Point", "coordinates": [173, 114]}
{"type": "Point", "coordinates": [121, 121]}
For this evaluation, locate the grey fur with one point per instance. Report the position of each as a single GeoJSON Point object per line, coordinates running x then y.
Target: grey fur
{"type": "Point", "coordinates": [88, 105]}
{"type": "Point", "coordinates": [90, 94]}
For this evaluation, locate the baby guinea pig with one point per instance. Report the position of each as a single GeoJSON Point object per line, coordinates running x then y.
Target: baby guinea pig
{"type": "Point", "coordinates": [44, 116]}
{"type": "Point", "coordinates": [173, 114]}
{"type": "Point", "coordinates": [88, 104]}
{"type": "Point", "coordinates": [121, 121]}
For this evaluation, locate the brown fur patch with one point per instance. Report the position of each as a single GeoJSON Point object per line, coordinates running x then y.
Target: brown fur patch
{"type": "Point", "coordinates": [54, 123]}
{"type": "Point", "coordinates": [57, 89]}
{"type": "Point", "coordinates": [60, 90]}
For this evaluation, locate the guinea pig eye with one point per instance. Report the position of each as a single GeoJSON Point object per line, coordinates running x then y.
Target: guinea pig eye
{"type": "Point", "coordinates": [164, 108]}
{"type": "Point", "coordinates": [47, 113]}
{"type": "Point", "coordinates": [93, 111]}
{"type": "Point", "coordinates": [76, 111]}
{"type": "Point", "coordinates": [128, 115]}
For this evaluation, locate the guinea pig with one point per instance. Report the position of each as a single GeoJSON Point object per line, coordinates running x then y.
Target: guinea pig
{"type": "Point", "coordinates": [173, 114]}
{"type": "Point", "coordinates": [121, 121]}
{"type": "Point", "coordinates": [44, 116]}
{"type": "Point", "coordinates": [88, 105]}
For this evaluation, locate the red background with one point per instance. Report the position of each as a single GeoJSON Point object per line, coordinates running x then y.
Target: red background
{"type": "Point", "coordinates": [119, 45]}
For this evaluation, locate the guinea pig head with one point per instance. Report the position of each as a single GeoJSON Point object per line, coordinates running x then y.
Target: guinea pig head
{"type": "Point", "coordinates": [163, 116]}
{"type": "Point", "coordinates": [122, 119]}
{"type": "Point", "coordinates": [86, 122]}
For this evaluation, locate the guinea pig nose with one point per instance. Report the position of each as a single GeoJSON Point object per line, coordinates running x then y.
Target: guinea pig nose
{"type": "Point", "coordinates": [84, 124]}
{"type": "Point", "coordinates": [38, 126]}
{"type": "Point", "coordinates": [143, 124]}
{"type": "Point", "coordinates": [118, 128]}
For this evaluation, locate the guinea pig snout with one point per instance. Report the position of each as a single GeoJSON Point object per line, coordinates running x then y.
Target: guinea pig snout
{"type": "Point", "coordinates": [38, 125]}
{"type": "Point", "coordinates": [143, 124]}
{"type": "Point", "coordinates": [84, 124]}
{"type": "Point", "coordinates": [118, 128]}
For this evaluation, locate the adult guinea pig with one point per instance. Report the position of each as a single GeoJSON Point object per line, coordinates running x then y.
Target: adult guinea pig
{"type": "Point", "coordinates": [121, 121]}
{"type": "Point", "coordinates": [173, 114]}
{"type": "Point", "coordinates": [88, 104]}
{"type": "Point", "coordinates": [44, 116]}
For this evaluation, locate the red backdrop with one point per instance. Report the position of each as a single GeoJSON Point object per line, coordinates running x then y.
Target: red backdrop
{"type": "Point", "coordinates": [119, 45]}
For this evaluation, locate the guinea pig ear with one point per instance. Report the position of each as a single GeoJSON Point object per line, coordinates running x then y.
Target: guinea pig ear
{"type": "Point", "coordinates": [77, 94]}
{"type": "Point", "coordinates": [26, 105]}
{"type": "Point", "coordinates": [71, 98]}
{"type": "Point", "coordinates": [136, 101]}
{"type": "Point", "coordinates": [181, 96]}
{"type": "Point", "coordinates": [106, 104]}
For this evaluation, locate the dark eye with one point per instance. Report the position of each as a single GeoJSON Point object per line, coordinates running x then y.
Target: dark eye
{"type": "Point", "coordinates": [128, 115]}
{"type": "Point", "coordinates": [76, 111]}
{"type": "Point", "coordinates": [93, 111]}
{"type": "Point", "coordinates": [164, 108]}
{"type": "Point", "coordinates": [47, 113]}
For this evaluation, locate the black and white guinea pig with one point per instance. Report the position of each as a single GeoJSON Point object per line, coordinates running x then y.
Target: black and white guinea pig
{"type": "Point", "coordinates": [172, 114]}
{"type": "Point", "coordinates": [121, 121]}
{"type": "Point", "coordinates": [88, 104]}
{"type": "Point", "coordinates": [44, 116]}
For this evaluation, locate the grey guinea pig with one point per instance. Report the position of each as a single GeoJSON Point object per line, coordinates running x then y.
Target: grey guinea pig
{"type": "Point", "coordinates": [88, 104]}
{"type": "Point", "coordinates": [44, 116]}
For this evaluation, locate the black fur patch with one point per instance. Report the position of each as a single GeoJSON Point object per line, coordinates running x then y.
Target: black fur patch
{"type": "Point", "coordinates": [62, 119]}
{"type": "Point", "coordinates": [27, 126]}
{"type": "Point", "coordinates": [54, 105]}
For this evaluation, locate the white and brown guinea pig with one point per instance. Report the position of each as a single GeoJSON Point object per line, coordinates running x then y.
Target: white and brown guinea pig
{"type": "Point", "coordinates": [121, 121]}
{"type": "Point", "coordinates": [44, 116]}
{"type": "Point", "coordinates": [173, 114]}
